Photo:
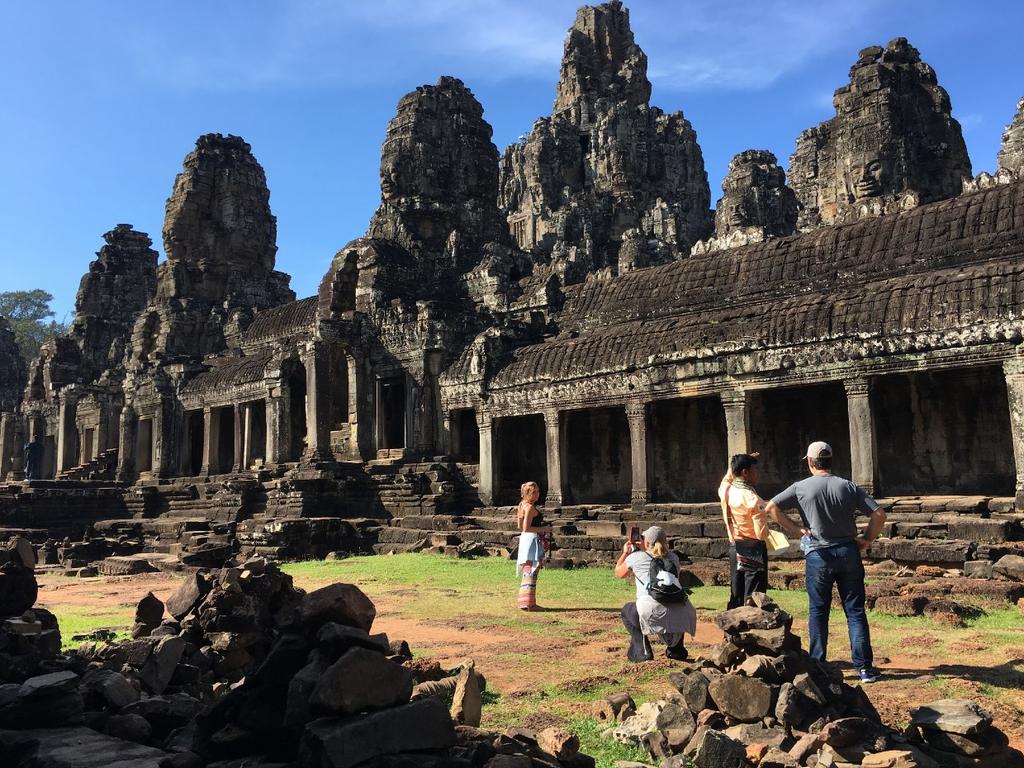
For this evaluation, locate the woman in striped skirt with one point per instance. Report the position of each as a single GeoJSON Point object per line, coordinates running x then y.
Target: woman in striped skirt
{"type": "Point", "coordinates": [531, 546]}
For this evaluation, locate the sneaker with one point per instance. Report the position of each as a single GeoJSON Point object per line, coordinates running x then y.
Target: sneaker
{"type": "Point", "coordinates": [869, 675]}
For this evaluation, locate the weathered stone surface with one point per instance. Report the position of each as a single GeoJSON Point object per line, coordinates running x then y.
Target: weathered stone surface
{"type": "Point", "coordinates": [158, 670]}
{"type": "Point", "coordinates": [18, 589]}
{"type": "Point", "coordinates": [607, 182]}
{"type": "Point", "coordinates": [559, 742]}
{"type": "Point", "coordinates": [361, 680]}
{"type": "Point", "coordinates": [150, 611]}
{"type": "Point", "coordinates": [892, 144]}
{"type": "Point", "coordinates": [466, 702]}
{"type": "Point", "coordinates": [694, 688]}
{"type": "Point", "coordinates": [891, 758]}
{"type": "Point", "coordinates": [339, 603]}
{"type": "Point", "coordinates": [745, 698]}
{"type": "Point", "coordinates": [190, 591]}
{"type": "Point", "coordinates": [959, 716]}
{"type": "Point", "coordinates": [1011, 153]}
{"type": "Point", "coordinates": [716, 750]}
{"type": "Point", "coordinates": [341, 743]}
{"type": "Point", "coordinates": [1010, 567]}
{"type": "Point", "coordinates": [81, 747]}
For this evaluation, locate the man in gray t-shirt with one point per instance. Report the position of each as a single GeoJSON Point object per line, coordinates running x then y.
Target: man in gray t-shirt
{"type": "Point", "coordinates": [828, 506]}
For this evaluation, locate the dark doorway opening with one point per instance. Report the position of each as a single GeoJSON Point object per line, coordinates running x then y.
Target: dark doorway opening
{"type": "Point", "coordinates": [598, 456]}
{"type": "Point", "coordinates": [944, 432]}
{"type": "Point", "coordinates": [687, 446]}
{"type": "Point", "coordinates": [783, 422]}
{"type": "Point", "coordinates": [465, 436]}
{"type": "Point", "coordinates": [144, 446]}
{"type": "Point", "coordinates": [391, 412]}
{"type": "Point", "coordinates": [196, 432]}
{"type": "Point", "coordinates": [338, 412]}
{"type": "Point", "coordinates": [520, 455]}
{"type": "Point", "coordinates": [225, 438]}
{"type": "Point", "coordinates": [296, 412]}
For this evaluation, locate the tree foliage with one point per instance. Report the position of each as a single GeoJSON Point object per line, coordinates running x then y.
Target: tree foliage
{"type": "Point", "coordinates": [31, 319]}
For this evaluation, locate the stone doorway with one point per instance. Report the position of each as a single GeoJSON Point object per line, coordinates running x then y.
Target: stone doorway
{"type": "Point", "coordinates": [598, 457]}
{"type": "Point", "coordinates": [783, 422]}
{"type": "Point", "coordinates": [465, 436]}
{"type": "Point", "coordinates": [225, 439]}
{"type": "Point", "coordinates": [195, 427]}
{"type": "Point", "coordinates": [391, 413]}
{"type": "Point", "coordinates": [941, 432]}
{"type": "Point", "coordinates": [687, 448]}
{"type": "Point", "coordinates": [296, 413]}
{"type": "Point", "coordinates": [521, 455]}
{"type": "Point", "coordinates": [144, 446]}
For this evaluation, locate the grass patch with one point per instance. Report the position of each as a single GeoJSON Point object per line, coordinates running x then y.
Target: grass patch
{"type": "Point", "coordinates": [605, 751]}
{"type": "Point", "coordinates": [72, 623]}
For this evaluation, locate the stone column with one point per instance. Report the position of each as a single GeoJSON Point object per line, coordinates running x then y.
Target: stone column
{"type": "Point", "coordinates": [318, 433]}
{"type": "Point", "coordinates": [1014, 372]}
{"type": "Point", "coordinates": [737, 421]}
{"type": "Point", "coordinates": [238, 436]}
{"type": "Point", "coordinates": [488, 460]}
{"type": "Point", "coordinates": [554, 432]}
{"type": "Point", "coordinates": [126, 446]}
{"type": "Point", "coordinates": [247, 442]}
{"type": "Point", "coordinates": [7, 444]}
{"type": "Point", "coordinates": [636, 415]}
{"type": "Point", "coordinates": [211, 439]}
{"type": "Point", "coordinates": [273, 418]}
{"type": "Point", "coordinates": [862, 432]}
{"type": "Point", "coordinates": [67, 433]}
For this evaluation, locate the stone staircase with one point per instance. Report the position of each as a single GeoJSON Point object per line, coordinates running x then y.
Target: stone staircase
{"type": "Point", "coordinates": [103, 467]}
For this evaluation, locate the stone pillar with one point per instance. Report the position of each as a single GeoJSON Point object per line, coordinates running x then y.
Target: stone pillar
{"type": "Point", "coordinates": [211, 439]}
{"type": "Point", "coordinates": [636, 415]}
{"type": "Point", "coordinates": [554, 433]}
{"type": "Point", "coordinates": [247, 442]}
{"type": "Point", "coordinates": [1014, 372]}
{"type": "Point", "coordinates": [277, 436]}
{"type": "Point", "coordinates": [126, 446]}
{"type": "Point", "coordinates": [862, 432]}
{"type": "Point", "coordinates": [238, 436]}
{"type": "Point", "coordinates": [737, 421]}
{"type": "Point", "coordinates": [488, 460]}
{"type": "Point", "coordinates": [67, 433]}
{"type": "Point", "coordinates": [7, 445]}
{"type": "Point", "coordinates": [318, 433]}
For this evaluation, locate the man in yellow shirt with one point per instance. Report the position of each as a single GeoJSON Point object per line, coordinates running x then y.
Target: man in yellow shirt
{"type": "Point", "coordinates": [746, 524]}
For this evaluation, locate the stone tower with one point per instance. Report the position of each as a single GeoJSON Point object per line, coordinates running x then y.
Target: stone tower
{"type": "Point", "coordinates": [439, 177]}
{"type": "Point", "coordinates": [1011, 154]}
{"type": "Point", "coordinates": [892, 144]}
{"type": "Point", "coordinates": [220, 240]}
{"type": "Point", "coordinates": [606, 171]}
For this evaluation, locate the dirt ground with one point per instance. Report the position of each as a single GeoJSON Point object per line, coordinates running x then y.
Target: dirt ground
{"type": "Point", "coordinates": [551, 659]}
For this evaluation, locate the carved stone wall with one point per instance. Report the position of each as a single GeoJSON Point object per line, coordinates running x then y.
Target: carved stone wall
{"type": "Point", "coordinates": [606, 162]}
{"type": "Point", "coordinates": [892, 144]}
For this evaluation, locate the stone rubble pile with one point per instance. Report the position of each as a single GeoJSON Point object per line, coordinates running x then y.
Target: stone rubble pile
{"type": "Point", "coordinates": [241, 668]}
{"type": "Point", "coordinates": [759, 700]}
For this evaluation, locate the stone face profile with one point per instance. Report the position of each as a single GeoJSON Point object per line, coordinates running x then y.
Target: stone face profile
{"type": "Point", "coordinates": [605, 162]}
{"type": "Point", "coordinates": [892, 144]}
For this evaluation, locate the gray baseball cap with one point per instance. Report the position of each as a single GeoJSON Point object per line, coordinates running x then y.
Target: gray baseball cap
{"type": "Point", "coordinates": [652, 534]}
{"type": "Point", "coordinates": [818, 449]}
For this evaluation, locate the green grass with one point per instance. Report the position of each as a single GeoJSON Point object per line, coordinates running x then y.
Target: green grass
{"type": "Point", "coordinates": [72, 623]}
{"type": "Point", "coordinates": [604, 750]}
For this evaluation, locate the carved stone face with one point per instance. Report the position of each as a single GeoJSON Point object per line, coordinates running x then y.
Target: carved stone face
{"type": "Point", "coordinates": [866, 177]}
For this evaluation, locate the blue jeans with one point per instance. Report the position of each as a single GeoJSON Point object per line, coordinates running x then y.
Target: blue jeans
{"type": "Point", "coordinates": [839, 565]}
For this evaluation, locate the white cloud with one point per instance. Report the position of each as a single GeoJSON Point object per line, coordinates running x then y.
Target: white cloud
{"type": "Point", "coordinates": [691, 44]}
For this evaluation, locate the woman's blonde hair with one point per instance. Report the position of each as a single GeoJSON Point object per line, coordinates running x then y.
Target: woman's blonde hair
{"type": "Point", "coordinates": [660, 547]}
{"type": "Point", "coordinates": [524, 489]}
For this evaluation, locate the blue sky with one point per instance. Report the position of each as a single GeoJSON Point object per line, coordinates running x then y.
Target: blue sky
{"type": "Point", "coordinates": [102, 99]}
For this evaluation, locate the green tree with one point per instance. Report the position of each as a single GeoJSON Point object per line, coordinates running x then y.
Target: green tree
{"type": "Point", "coordinates": [31, 319]}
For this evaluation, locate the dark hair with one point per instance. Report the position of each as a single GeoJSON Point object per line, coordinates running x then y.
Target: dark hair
{"type": "Point", "coordinates": [740, 462]}
{"type": "Point", "coordinates": [822, 462]}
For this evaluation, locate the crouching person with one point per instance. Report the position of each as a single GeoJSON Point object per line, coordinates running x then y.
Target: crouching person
{"type": "Point", "coordinates": [662, 605]}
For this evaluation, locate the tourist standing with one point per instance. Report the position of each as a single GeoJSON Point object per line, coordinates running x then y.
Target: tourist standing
{"type": "Point", "coordinates": [746, 523]}
{"type": "Point", "coordinates": [649, 560]}
{"type": "Point", "coordinates": [531, 545]}
{"type": "Point", "coordinates": [34, 458]}
{"type": "Point", "coordinates": [828, 505]}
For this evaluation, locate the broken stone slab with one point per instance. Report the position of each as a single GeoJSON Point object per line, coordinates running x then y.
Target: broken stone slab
{"type": "Point", "coordinates": [748, 617]}
{"type": "Point", "coordinates": [78, 747]}
{"type": "Point", "coordinates": [150, 611]}
{"type": "Point", "coordinates": [614, 707]}
{"type": "Point", "coordinates": [341, 637]}
{"type": "Point", "coordinates": [694, 688]}
{"type": "Point", "coordinates": [340, 603]}
{"type": "Point", "coordinates": [342, 743]}
{"type": "Point", "coordinates": [776, 758]}
{"type": "Point", "coordinates": [18, 589]}
{"type": "Point", "coordinates": [716, 750]}
{"type": "Point", "coordinates": [158, 670]}
{"type": "Point", "coordinates": [757, 733]}
{"type": "Point", "coordinates": [189, 593]}
{"type": "Point", "coordinates": [565, 746]}
{"type": "Point", "coordinates": [846, 731]}
{"type": "Point", "coordinates": [960, 716]}
{"type": "Point", "coordinates": [988, 741]}
{"type": "Point", "coordinates": [745, 698]}
{"type": "Point", "coordinates": [467, 705]}
{"type": "Point", "coordinates": [1010, 567]}
{"type": "Point", "coordinates": [111, 687]}
{"type": "Point", "coordinates": [361, 680]}
{"type": "Point", "coordinates": [632, 730]}
{"type": "Point", "coordinates": [891, 758]}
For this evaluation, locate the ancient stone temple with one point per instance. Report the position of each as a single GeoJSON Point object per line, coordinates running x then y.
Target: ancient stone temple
{"type": "Point", "coordinates": [756, 203]}
{"type": "Point", "coordinates": [570, 312]}
{"type": "Point", "coordinates": [607, 182]}
{"type": "Point", "coordinates": [892, 144]}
